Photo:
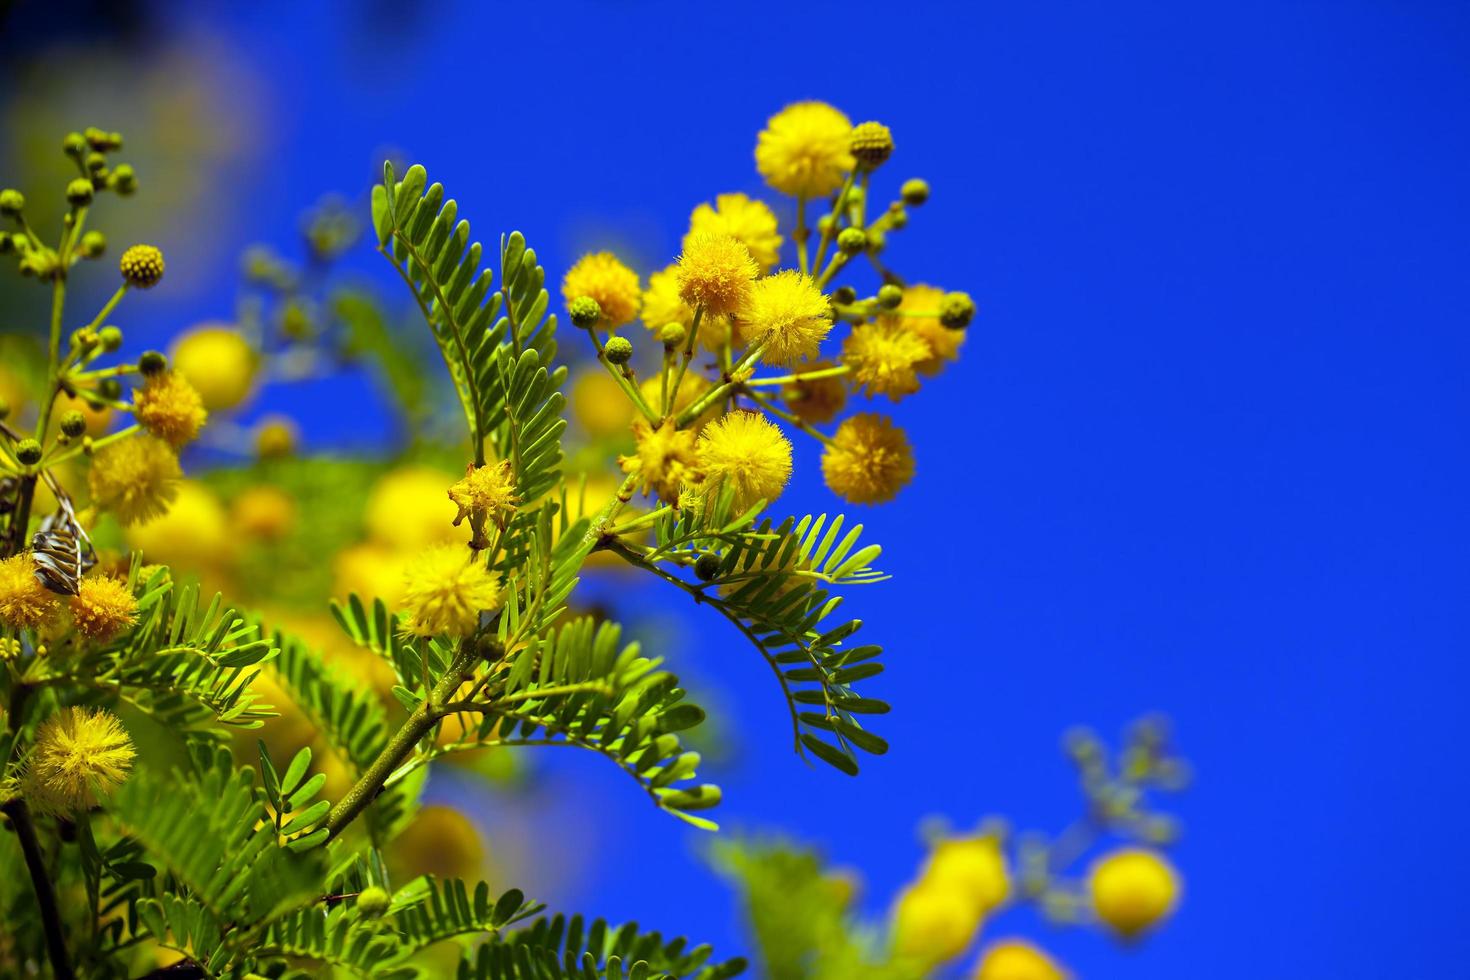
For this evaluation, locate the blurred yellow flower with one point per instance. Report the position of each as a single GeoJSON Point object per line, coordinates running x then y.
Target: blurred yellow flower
{"type": "Point", "coordinates": [218, 362]}
{"type": "Point", "coordinates": [748, 221]}
{"type": "Point", "coordinates": [606, 279]}
{"type": "Point", "coordinates": [195, 532]}
{"type": "Point", "coordinates": [804, 149]}
{"type": "Point", "coordinates": [975, 866]}
{"type": "Point", "coordinates": [372, 571]}
{"type": "Point", "coordinates": [884, 358]}
{"type": "Point", "coordinates": [275, 437]}
{"type": "Point", "coordinates": [1016, 959]}
{"type": "Point", "coordinates": [868, 461]}
{"type": "Point", "coordinates": [933, 924]}
{"type": "Point", "coordinates": [817, 400]}
{"type": "Point", "coordinates": [918, 313]}
{"type": "Point", "coordinates": [1133, 889]}
{"type": "Point", "coordinates": [264, 512]}
{"type": "Point", "coordinates": [439, 841]}
{"type": "Point", "coordinates": [135, 478]}
{"type": "Point", "coordinates": [599, 405]}
{"type": "Point", "coordinates": [408, 509]}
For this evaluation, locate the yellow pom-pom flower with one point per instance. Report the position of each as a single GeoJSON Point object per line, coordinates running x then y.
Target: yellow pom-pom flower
{"type": "Point", "coordinates": [80, 756]}
{"type": "Point", "coordinates": [804, 150]}
{"type": "Point", "coordinates": [603, 277]}
{"type": "Point", "coordinates": [1016, 959]}
{"type": "Point", "coordinates": [750, 222]}
{"type": "Point", "coordinates": [445, 590]}
{"type": "Point", "coordinates": [788, 314]}
{"type": "Point", "coordinates": [744, 450]}
{"type": "Point", "coordinates": [485, 493]}
{"type": "Point", "coordinates": [136, 478]}
{"type": "Point", "coordinates": [195, 532]}
{"type": "Point", "coordinates": [218, 362]}
{"type": "Point", "coordinates": [275, 437]}
{"type": "Point", "coordinates": [662, 305]}
{"type": "Point", "coordinates": [869, 460]}
{"type": "Point", "coordinates": [1133, 889]}
{"type": "Point", "coordinates": [884, 359]}
{"type": "Point", "coordinates": [24, 602]}
{"type": "Point", "coordinates": [815, 400]}
{"type": "Point", "coordinates": [933, 924]}
{"type": "Point", "coordinates": [103, 607]}
{"type": "Point", "coordinates": [664, 459]}
{"type": "Point", "coordinates": [715, 272]}
{"type": "Point", "coordinates": [975, 866]}
{"type": "Point", "coordinates": [918, 313]}
{"type": "Point", "coordinates": [170, 408]}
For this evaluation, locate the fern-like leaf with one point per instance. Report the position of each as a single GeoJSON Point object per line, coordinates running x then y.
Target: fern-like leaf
{"type": "Point", "coordinates": [571, 949]}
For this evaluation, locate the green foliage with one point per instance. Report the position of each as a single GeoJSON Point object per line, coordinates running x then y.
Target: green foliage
{"type": "Point", "coordinates": [569, 949]}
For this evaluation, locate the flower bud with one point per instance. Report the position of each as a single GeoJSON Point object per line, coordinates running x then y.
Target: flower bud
{"type": "Point", "coordinates": [110, 388]}
{"type": "Point", "coordinates": [844, 295]}
{"type": "Point", "coordinates": [898, 217]}
{"type": "Point", "coordinates": [852, 240]}
{"type": "Point", "coordinates": [890, 295]}
{"type": "Point", "coordinates": [141, 266]}
{"type": "Point", "coordinates": [28, 451]}
{"type": "Point", "coordinates": [84, 339]}
{"type": "Point", "coordinates": [871, 144]}
{"type": "Point", "coordinates": [619, 350]}
{"type": "Point", "coordinates": [96, 163]}
{"type": "Point", "coordinates": [79, 192]}
{"type": "Point", "coordinates": [93, 244]}
{"type": "Point", "coordinates": [585, 312]}
{"type": "Point", "coordinates": [110, 338]}
{"type": "Point", "coordinates": [707, 566]}
{"type": "Point", "coordinates": [673, 334]}
{"type": "Point", "coordinates": [122, 180]}
{"type": "Point", "coordinates": [373, 902]}
{"type": "Point", "coordinates": [11, 202]}
{"type": "Point", "coordinates": [914, 192]}
{"type": "Point", "coordinates": [73, 424]}
{"type": "Point", "coordinates": [151, 363]}
{"type": "Point", "coordinates": [956, 310]}
{"type": "Point", "coordinates": [74, 145]}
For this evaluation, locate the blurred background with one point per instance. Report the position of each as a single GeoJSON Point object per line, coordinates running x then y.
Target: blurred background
{"type": "Point", "coordinates": [1204, 448]}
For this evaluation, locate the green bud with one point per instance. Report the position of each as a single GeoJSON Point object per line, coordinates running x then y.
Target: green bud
{"type": "Point", "coordinates": [96, 162]}
{"type": "Point", "coordinates": [79, 192]}
{"type": "Point", "coordinates": [824, 224]}
{"type": "Point", "coordinates": [897, 216]}
{"type": "Point", "coordinates": [74, 145]}
{"type": "Point", "coordinates": [12, 202]}
{"type": "Point", "coordinates": [93, 244]}
{"type": "Point", "coordinates": [890, 295]}
{"type": "Point", "coordinates": [585, 312]}
{"type": "Point", "coordinates": [619, 350]}
{"type": "Point", "coordinates": [122, 180]}
{"type": "Point", "coordinates": [707, 566]}
{"type": "Point", "coordinates": [73, 424]}
{"type": "Point", "coordinates": [98, 139]}
{"type": "Point", "coordinates": [28, 451]}
{"type": "Point", "coordinates": [673, 334]}
{"type": "Point", "coordinates": [111, 338]}
{"type": "Point", "coordinates": [110, 388]}
{"type": "Point", "coordinates": [151, 363]}
{"type": "Point", "coordinates": [914, 192]}
{"type": "Point", "coordinates": [844, 295]}
{"type": "Point", "coordinates": [956, 310]}
{"type": "Point", "coordinates": [373, 902]}
{"type": "Point", "coordinates": [852, 240]}
{"type": "Point", "coordinates": [871, 144]}
{"type": "Point", "coordinates": [84, 338]}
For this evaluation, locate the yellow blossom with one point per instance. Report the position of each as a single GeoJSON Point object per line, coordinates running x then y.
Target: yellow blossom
{"type": "Point", "coordinates": [690, 390]}
{"type": "Point", "coordinates": [169, 407]}
{"type": "Point", "coordinates": [445, 589]}
{"type": "Point", "coordinates": [1133, 889]}
{"type": "Point", "coordinates": [275, 437]}
{"type": "Point", "coordinates": [664, 459]}
{"type": "Point", "coordinates": [218, 362]}
{"type": "Point", "coordinates": [715, 272]}
{"type": "Point", "coordinates": [918, 313]}
{"type": "Point", "coordinates": [816, 400]}
{"type": "Point", "coordinates": [804, 149]}
{"type": "Point", "coordinates": [24, 602]}
{"type": "Point", "coordinates": [745, 451]}
{"type": "Point", "coordinates": [485, 493]}
{"type": "Point", "coordinates": [370, 570]}
{"type": "Point", "coordinates": [103, 607]}
{"type": "Point", "coordinates": [598, 403]}
{"type": "Point", "coordinates": [748, 221]}
{"type": "Point", "coordinates": [933, 924]}
{"type": "Point", "coordinates": [194, 533]}
{"type": "Point", "coordinates": [603, 277]}
{"type": "Point", "coordinates": [135, 478]}
{"type": "Point", "coordinates": [663, 305]}
{"type": "Point", "coordinates": [869, 460]}
{"type": "Point", "coordinates": [1016, 959]}
{"type": "Point", "coordinates": [975, 866]}
{"type": "Point", "coordinates": [408, 511]}
{"type": "Point", "coordinates": [884, 358]}
{"type": "Point", "coordinates": [80, 756]}
{"type": "Point", "coordinates": [789, 314]}
{"type": "Point", "coordinates": [264, 512]}
{"type": "Point", "coordinates": [439, 841]}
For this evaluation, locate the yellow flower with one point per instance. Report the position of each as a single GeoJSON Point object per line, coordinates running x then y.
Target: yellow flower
{"type": "Point", "coordinates": [745, 451]}
{"type": "Point", "coordinates": [599, 405]}
{"type": "Point", "coordinates": [932, 924]}
{"type": "Point", "coordinates": [789, 314]}
{"type": "Point", "coordinates": [883, 358]}
{"type": "Point", "coordinates": [974, 866]}
{"type": "Point", "coordinates": [485, 493]}
{"type": "Point", "coordinates": [103, 607]}
{"type": "Point", "coordinates": [275, 437]}
{"type": "Point", "coordinates": [607, 280]}
{"type": "Point", "coordinates": [264, 512]}
{"type": "Point", "coordinates": [918, 313]}
{"type": "Point", "coordinates": [1016, 959]}
{"type": "Point", "coordinates": [135, 478]}
{"type": "Point", "coordinates": [439, 841]}
{"type": "Point", "coordinates": [869, 460]}
{"type": "Point", "coordinates": [24, 602]}
{"type": "Point", "coordinates": [715, 272]}
{"type": "Point", "coordinates": [804, 149]}
{"type": "Point", "coordinates": [169, 407]}
{"type": "Point", "coordinates": [371, 570]}
{"type": "Point", "coordinates": [98, 420]}
{"type": "Point", "coordinates": [748, 221]}
{"type": "Point", "coordinates": [663, 305]}
{"type": "Point", "coordinates": [445, 590]}
{"type": "Point", "coordinates": [80, 755]}
{"type": "Point", "coordinates": [194, 533]}
{"type": "Point", "coordinates": [408, 511]}
{"type": "Point", "coordinates": [218, 362]}
{"type": "Point", "coordinates": [690, 390]}
{"type": "Point", "coordinates": [664, 459]}
{"type": "Point", "coordinates": [1133, 889]}
{"type": "Point", "coordinates": [818, 399]}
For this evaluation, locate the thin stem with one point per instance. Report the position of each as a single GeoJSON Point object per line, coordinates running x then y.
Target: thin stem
{"type": "Point", "coordinates": [789, 379]}
{"type": "Point", "coordinates": [25, 831]}
{"type": "Point", "coordinates": [830, 232]}
{"type": "Point", "coordinates": [839, 259]}
{"type": "Point", "coordinates": [684, 360]}
{"type": "Point", "coordinates": [800, 235]}
{"type": "Point", "coordinates": [649, 518]}
{"type": "Point", "coordinates": [701, 404]}
{"type": "Point", "coordinates": [770, 406]}
{"type": "Point", "coordinates": [96, 444]}
{"type": "Point", "coordinates": [109, 306]}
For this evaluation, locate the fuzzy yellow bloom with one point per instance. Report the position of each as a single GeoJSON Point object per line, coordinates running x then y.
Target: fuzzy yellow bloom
{"type": "Point", "coordinates": [746, 451]}
{"type": "Point", "coordinates": [599, 405]}
{"type": "Point", "coordinates": [664, 459]}
{"type": "Point", "coordinates": [80, 756]}
{"type": "Point", "coordinates": [407, 509]}
{"type": "Point", "coordinates": [485, 493]}
{"type": "Point", "coordinates": [603, 277]}
{"type": "Point", "coordinates": [445, 590]}
{"type": "Point", "coordinates": [975, 866]}
{"type": "Point", "coordinates": [715, 272]}
{"type": "Point", "coordinates": [869, 460]}
{"type": "Point", "coordinates": [218, 362]}
{"type": "Point", "coordinates": [804, 150]}
{"type": "Point", "coordinates": [1133, 889]}
{"type": "Point", "coordinates": [750, 222]}
{"type": "Point", "coordinates": [135, 478]}
{"type": "Point", "coordinates": [103, 607]}
{"type": "Point", "coordinates": [884, 358]}
{"type": "Point", "coordinates": [1016, 959]}
{"type": "Point", "coordinates": [264, 512]}
{"type": "Point", "coordinates": [933, 924]}
{"type": "Point", "coordinates": [195, 532]}
{"type": "Point", "coordinates": [815, 400]}
{"type": "Point", "coordinates": [170, 408]}
{"type": "Point", "coordinates": [789, 315]}
{"type": "Point", "coordinates": [918, 313]}
{"type": "Point", "coordinates": [371, 570]}
{"type": "Point", "coordinates": [24, 602]}
{"type": "Point", "coordinates": [662, 303]}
